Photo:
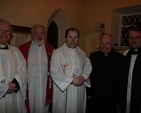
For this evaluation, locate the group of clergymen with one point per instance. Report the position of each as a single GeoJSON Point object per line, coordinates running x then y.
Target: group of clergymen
{"type": "Point", "coordinates": [36, 75]}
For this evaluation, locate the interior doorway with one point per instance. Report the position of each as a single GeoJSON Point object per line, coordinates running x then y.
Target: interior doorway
{"type": "Point", "coordinates": [52, 36]}
{"type": "Point", "coordinates": [56, 27]}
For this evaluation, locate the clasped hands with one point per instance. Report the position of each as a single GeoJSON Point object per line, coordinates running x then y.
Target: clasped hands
{"type": "Point", "coordinates": [78, 81]}
{"type": "Point", "coordinates": [11, 88]}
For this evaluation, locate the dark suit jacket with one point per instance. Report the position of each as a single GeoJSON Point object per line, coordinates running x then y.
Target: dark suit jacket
{"type": "Point", "coordinates": [104, 78]}
{"type": "Point", "coordinates": [136, 84]}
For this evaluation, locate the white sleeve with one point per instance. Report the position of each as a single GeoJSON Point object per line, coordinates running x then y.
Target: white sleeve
{"type": "Point", "coordinates": [87, 71]}
{"type": "Point", "coordinates": [3, 89]}
{"type": "Point", "coordinates": [21, 75]}
{"type": "Point", "coordinates": [60, 79]}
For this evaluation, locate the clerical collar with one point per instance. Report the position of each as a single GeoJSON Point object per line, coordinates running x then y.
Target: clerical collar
{"type": "Point", "coordinates": [105, 54]}
{"type": "Point", "coordinates": [72, 49]}
{"type": "Point", "coordinates": [3, 46]}
{"type": "Point", "coordinates": [135, 51]}
{"type": "Point", "coordinates": [37, 44]}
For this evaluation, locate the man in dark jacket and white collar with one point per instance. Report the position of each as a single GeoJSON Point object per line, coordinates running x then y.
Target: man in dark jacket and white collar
{"type": "Point", "coordinates": [106, 69]}
{"type": "Point", "coordinates": [130, 87]}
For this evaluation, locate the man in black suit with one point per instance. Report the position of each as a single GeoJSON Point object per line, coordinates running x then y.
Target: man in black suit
{"type": "Point", "coordinates": [130, 82]}
{"type": "Point", "coordinates": [106, 69]}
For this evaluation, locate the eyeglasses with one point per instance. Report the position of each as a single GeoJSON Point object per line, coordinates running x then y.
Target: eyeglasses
{"type": "Point", "coordinates": [2, 31]}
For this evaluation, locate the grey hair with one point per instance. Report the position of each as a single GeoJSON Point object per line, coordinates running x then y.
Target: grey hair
{"type": "Point", "coordinates": [5, 21]}
{"type": "Point", "coordinates": [35, 26]}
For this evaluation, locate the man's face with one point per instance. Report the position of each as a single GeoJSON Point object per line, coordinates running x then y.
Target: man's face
{"type": "Point", "coordinates": [106, 44]}
{"type": "Point", "coordinates": [39, 35]}
{"type": "Point", "coordinates": [72, 39]}
{"type": "Point", "coordinates": [135, 39]}
{"type": "Point", "coordinates": [5, 33]}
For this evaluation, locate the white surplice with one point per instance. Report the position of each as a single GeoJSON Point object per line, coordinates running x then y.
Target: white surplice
{"type": "Point", "coordinates": [37, 78]}
{"type": "Point", "coordinates": [65, 65]}
{"type": "Point", "coordinates": [12, 65]}
{"type": "Point", "coordinates": [128, 99]}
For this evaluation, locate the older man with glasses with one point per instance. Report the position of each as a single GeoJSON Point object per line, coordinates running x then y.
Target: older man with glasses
{"type": "Point", "coordinates": [13, 76]}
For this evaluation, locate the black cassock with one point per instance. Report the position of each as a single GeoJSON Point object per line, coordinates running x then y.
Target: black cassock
{"type": "Point", "coordinates": [136, 84]}
{"type": "Point", "coordinates": [106, 71]}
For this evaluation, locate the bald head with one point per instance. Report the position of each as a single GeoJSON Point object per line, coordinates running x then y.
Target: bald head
{"type": "Point", "coordinates": [106, 43]}
{"type": "Point", "coordinates": [107, 35]}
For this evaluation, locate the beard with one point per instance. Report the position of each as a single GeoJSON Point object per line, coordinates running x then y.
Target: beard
{"type": "Point", "coordinates": [39, 42]}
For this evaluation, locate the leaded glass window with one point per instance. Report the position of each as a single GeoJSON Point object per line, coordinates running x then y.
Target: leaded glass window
{"type": "Point", "coordinates": [128, 21]}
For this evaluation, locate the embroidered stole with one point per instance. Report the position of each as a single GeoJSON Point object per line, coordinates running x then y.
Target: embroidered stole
{"type": "Point", "coordinates": [68, 68]}
{"type": "Point", "coordinates": [65, 59]}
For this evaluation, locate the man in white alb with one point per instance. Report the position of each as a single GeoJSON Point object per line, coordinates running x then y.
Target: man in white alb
{"type": "Point", "coordinates": [13, 74]}
{"type": "Point", "coordinates": [38, 54]}
{"type": "Point", "coordinates": [70, 70]}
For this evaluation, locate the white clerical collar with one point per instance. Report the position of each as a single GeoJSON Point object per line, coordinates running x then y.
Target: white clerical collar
{"type": "Point", "coordinates": [105, 54]}
{"type": "Point", "coordinates": [3, 46]}
{"type": "Point", "coordinates": [37, 44]}
{"type": "Point", "coordinates": [135, 49]}
{"type": "Point", "coordinates": [135, 52]}
{"type": "Point", "coordinates": [72, 49]}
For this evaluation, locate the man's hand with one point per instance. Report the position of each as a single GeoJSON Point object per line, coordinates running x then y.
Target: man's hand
{"type": "Point", "coordinates": [78, 81]}
{"type": "Point", "coordinates": [11, 88]}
